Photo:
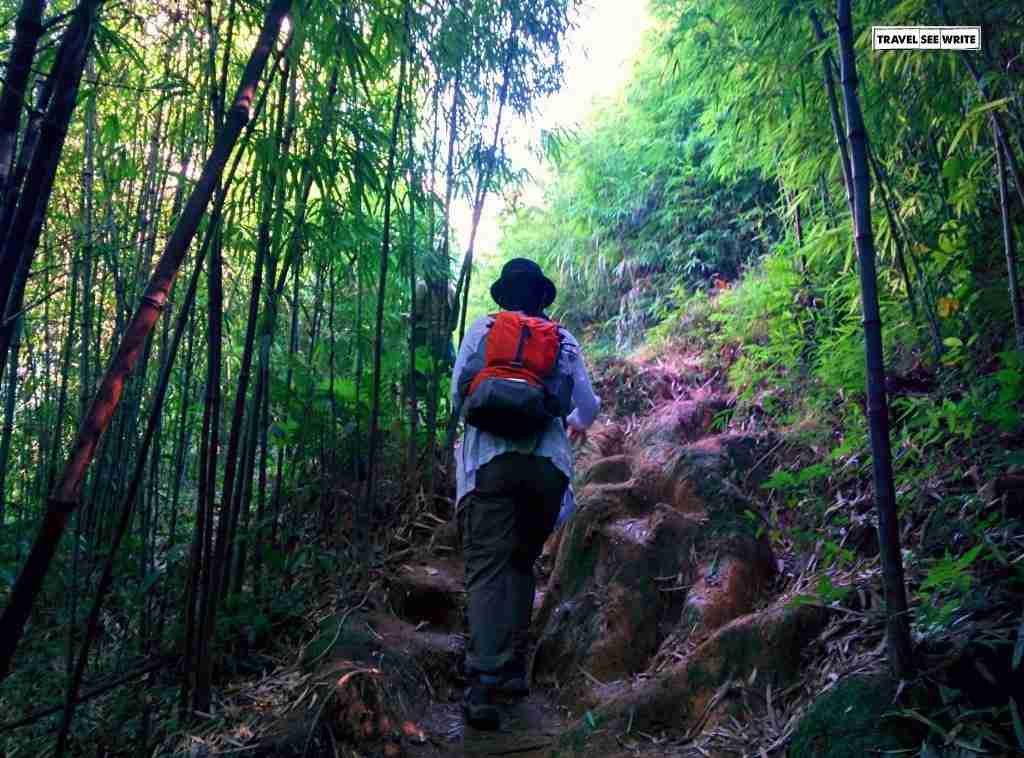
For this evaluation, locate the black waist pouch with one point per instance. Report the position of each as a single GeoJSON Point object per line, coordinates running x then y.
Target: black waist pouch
{"type": "Point", "coordinates": [511, 408]}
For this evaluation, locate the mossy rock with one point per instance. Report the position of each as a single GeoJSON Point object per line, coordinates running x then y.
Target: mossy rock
{"type": "Point", "coordinates": [614, 469]}
{"type": "Point", "coordinates": [603, 611]}
{"type": "Point", "coordinates": [352, 640]}
{"type": "Point", "coordinates": [580, 556]}
{"type": "Point", "coordinates": [727, 587]}
{"type": "Point", "coordinates": [354, 646]}
{"type": "Point", "coordinates": [748, 455]}
{"type": "Point", "coordinates": [369, 683]}
{"type": "Point", "coordinates": [430, 591]}
{"type": "Point", "coordinates": [700, 473]}
{"type": "Point", "coordinates": [853, 719]}
{"type": "Point", "coordinates": [676, 422]}
{"type": "Point", "coordinates": [571, 631]}
{"type": "Point", "coordinates": [770, 642]}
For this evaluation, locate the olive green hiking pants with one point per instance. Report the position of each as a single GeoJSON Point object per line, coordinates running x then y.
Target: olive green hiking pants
{"type": "Point", "coordinates": [504, 524]}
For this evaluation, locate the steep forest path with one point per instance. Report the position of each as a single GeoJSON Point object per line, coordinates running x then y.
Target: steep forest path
{"type": "Point", "coordinates": [430, 592]}
{"type": "Point", "coordinates": [660, 620]}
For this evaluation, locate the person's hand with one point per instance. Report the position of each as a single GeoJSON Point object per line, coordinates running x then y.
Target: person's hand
{"type": "Point", "coordinates": [577, 434]}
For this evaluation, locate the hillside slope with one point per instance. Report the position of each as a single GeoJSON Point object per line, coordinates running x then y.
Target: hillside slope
{"type": "Point", "coordinates": [681, 611]}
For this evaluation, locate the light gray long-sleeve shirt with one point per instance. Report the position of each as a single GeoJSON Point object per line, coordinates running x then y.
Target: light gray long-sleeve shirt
{"type": "Point", "coordinates": [478, 447]}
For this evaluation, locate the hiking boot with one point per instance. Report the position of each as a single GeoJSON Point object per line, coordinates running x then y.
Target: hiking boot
{"type": "Point", "coordinates": [509, 682]}
{"type": "Point", "coordinates": [479, 708]}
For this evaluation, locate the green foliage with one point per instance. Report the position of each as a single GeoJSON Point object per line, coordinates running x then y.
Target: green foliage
{"type": "Point", "coordinates": [943, 590]}
{"type": "Point", "coordinates": [798, 480]}
{"type": "Point", "coordinates": [303, 214]}
{"type": "Point", "coordinates": [1006, 391]}
{"type": "Point", "coordinates": [720, 157]}
{"type": "Point", "coordinates": [633, 210]}
{"type": "Point", "coordinates": [855, 718]}
{"type": "Point", "coordinates": [826, 592]}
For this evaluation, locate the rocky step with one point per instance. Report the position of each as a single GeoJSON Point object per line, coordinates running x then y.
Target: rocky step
{"type": "Point", "coordinates": [529, 729]}
{"type": "Point", "coordinates": [663, 546]}
{"type": "Point", "coordinates": [614, 469]}
{"type": "Point", "coordinates": [429, 591]}
{"type": "Point", "coordinates": [370, 678]}
{"type": "Point", "coordinates": [761, 650]}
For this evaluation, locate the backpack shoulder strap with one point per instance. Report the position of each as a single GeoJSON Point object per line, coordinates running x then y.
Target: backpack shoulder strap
{"type": "Point", "coordinates": [475, 363]}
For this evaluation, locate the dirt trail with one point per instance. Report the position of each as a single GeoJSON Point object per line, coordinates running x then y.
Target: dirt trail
{"type": "Point", "coordinates": [430, 592]}
{"type": "Point", "coordinates": [529, 729]}
{"type": "Point", "coordinates": [656, 613]}
{"type": "Point", "coordinates": [639, 615]}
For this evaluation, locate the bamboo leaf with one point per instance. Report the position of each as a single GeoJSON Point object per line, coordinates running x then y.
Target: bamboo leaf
{"type": "Point", "coordinates": [970, 121]}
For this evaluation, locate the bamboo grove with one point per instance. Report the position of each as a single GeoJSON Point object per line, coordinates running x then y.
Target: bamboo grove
{"type": "Point", "coordinates": [770, 187]}
{"type": "Point", "coordinates": [230, 285]}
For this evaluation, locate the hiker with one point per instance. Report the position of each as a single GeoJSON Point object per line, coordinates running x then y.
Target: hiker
{"type": "Point", "coordinates": [521, 384]}
{"type": "Point", "coordinates": [433, 320]}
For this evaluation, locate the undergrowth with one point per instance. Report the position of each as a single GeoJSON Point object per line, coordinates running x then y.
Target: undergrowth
{"type": "Point", "coordinates": [796, 367]}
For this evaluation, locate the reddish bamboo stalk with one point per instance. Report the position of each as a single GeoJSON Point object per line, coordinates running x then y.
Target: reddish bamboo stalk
{"type": "Point", "coordinates": [125, 517]}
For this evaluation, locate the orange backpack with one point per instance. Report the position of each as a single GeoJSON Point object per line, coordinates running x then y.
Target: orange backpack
{"type": "Point", "coordinates": [515, 388]}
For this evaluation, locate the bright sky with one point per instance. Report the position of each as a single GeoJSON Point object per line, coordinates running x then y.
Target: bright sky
{"type": "Point", "coordinates": [598, 57]}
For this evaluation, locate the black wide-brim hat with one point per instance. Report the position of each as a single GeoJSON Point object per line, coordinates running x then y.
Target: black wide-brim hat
{"type": "Point", "coordinates": [518, 272]}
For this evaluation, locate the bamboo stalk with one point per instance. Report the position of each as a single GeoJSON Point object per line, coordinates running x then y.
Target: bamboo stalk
{"type": "Point", "coordinates": [897, 621]}
{"type": "Point", "coordinates": [827, 68]}
{"type": "Point", "coordinates": [1012, 277]}
{"type": "Point", "coordinates": [361, 522]}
